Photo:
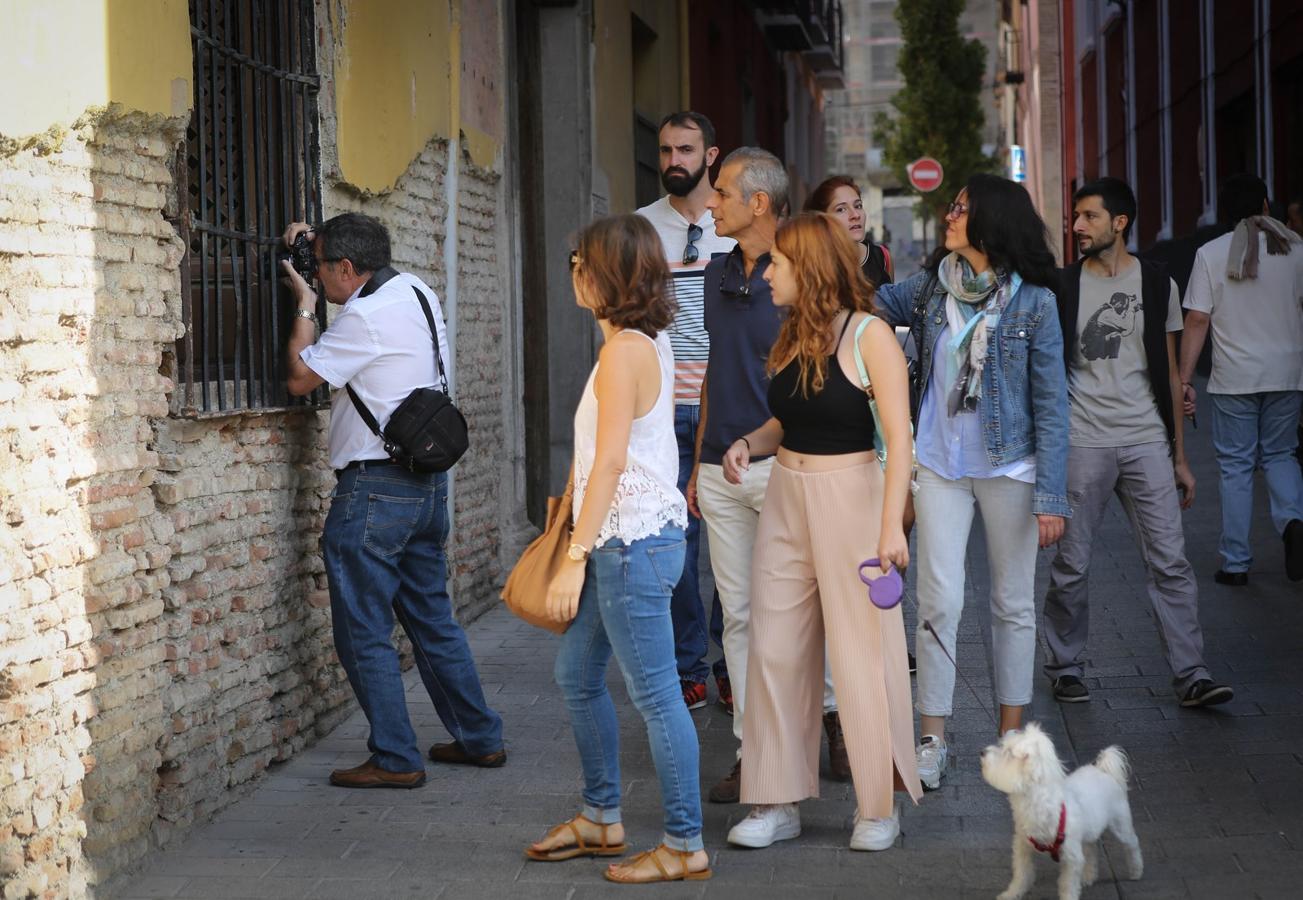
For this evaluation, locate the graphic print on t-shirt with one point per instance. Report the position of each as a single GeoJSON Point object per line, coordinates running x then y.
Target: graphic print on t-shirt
{"type": "Point", "coordinates": [1103, 334]}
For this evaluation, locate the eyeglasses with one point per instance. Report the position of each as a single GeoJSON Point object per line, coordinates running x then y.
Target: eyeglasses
{"type": "Point", "coordinates": [575, 260]}
{"type": "Point", "coordinates": [956, 210]}
{"type": "Point", "coordinates": [690, 254]}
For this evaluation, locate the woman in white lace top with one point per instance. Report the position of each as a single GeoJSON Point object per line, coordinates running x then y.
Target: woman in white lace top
{"type": "Point", "coordinates": [626, 556]}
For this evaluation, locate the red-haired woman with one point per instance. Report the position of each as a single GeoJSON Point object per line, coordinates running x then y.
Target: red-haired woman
{"type": "Point", "coordinates": [839, 197]}
{"type": "Point", "coordinates": [830, 504]}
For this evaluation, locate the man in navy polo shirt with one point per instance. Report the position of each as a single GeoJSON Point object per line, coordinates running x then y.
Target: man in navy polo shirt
{"type": "Point", "coordinates": [743, 324]}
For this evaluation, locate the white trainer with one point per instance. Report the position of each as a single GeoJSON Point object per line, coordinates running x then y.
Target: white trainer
{"type": "Point", "coordinates": [876, 834]}
{"type": "Point", "coordinates": [933, 754]}
{"type": "Point", "coordinates": [765, 824]}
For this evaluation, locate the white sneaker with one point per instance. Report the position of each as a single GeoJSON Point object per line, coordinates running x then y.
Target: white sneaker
{"type": "Point", "coordinates": [875, 834]}
{"type": "Point", "coordinates": [933, 754]}
{"type": "Point", "coordinates": [765, 824]}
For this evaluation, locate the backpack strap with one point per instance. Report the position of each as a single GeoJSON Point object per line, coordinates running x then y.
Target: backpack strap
{"type": "Point", "coordinates": [879, 444]}
{"type": "Point", "coordinates": [859, 357]}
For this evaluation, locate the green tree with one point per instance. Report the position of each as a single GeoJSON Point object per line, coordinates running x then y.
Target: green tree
{"type": "Point", "coordinates": [939, 111]}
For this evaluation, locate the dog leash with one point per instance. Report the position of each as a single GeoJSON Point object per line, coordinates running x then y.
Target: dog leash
{"type": "Point", "coordinates": [888, 591]}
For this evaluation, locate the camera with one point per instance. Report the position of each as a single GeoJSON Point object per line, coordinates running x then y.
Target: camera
{"type": "Point", "coordinates": [301, 257]}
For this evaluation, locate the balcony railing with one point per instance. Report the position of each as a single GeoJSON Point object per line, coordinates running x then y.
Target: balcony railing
{"type": "Point", "coordinates": [812, 28]}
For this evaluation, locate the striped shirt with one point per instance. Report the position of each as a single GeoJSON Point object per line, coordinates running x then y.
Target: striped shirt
{"type": "Point", "coordinates": [688, 334]}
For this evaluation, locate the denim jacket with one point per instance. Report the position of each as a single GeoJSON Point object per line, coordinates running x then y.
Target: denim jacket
{"type": "Point", "coordinates": [1024, 406]}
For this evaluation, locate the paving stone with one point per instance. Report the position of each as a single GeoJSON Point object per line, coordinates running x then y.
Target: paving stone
{"type": "Point", "coordinates": [1217, 794]}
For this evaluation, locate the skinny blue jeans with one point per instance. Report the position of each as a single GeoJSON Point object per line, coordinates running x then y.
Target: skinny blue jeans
{"type": "Point", "coordinates": [625, 609]}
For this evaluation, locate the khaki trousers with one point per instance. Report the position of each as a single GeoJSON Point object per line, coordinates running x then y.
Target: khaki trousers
{"type": "Point", "coordinates": [814, 530]}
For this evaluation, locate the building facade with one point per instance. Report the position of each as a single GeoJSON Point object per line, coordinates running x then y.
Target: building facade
{"type": "Point", "coordinates": [1176, 96]}
{"type": "Point", "coordinates": [873, 43]}
{"type": "Point", "coordinates": [164, 628]}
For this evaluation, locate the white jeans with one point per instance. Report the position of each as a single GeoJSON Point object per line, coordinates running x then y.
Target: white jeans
{"type": "Point", "coordinates": [945, 516]}
{"type": "Point", "coordinates": [732, 513]}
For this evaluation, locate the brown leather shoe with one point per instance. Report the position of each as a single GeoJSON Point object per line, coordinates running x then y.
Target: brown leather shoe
{"type": "Point", "coordinates": [839, 764]}
{"type": "Point", "coordinates": [456, 754]}
{"type": "Point", "coordinates": [369, 775]}
{"type": "Point", "coordinates": [730, 789]}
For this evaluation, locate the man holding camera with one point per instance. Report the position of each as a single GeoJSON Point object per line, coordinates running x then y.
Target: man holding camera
{"type": "Point", "coordinates": [383, 541]}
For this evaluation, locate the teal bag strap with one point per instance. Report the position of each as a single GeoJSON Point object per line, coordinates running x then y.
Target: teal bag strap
{"type": "Point", "coordinates": [879, 443]}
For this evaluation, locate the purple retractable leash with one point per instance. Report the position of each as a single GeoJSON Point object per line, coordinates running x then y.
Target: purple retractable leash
{"type": "Point", "coordinates": [885, 592]}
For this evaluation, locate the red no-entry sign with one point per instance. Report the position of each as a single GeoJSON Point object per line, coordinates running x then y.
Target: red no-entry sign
{"type": "Point", "coordinates": [925, 174]}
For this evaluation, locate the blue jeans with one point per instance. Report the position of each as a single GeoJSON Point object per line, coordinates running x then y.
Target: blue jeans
{"type": "Point", "coordinates": [686, 609]}
{"type": "Point", "coordinates": [383, 548]}
{"type": "Point", "coordinates": [625, 609]}
{"type": "Point", "coordinates": [1251, 430]}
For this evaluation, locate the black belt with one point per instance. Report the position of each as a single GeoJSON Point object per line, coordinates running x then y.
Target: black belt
{"type": "Point", "coordinates": [368, 463]}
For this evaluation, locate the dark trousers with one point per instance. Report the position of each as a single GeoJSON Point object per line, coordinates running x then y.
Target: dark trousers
{"type": "Point", "coordinates": [692, 629]}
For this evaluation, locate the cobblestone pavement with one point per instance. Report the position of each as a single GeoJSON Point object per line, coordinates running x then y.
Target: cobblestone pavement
{"type": "Point", "coordinates": [1217, 795]}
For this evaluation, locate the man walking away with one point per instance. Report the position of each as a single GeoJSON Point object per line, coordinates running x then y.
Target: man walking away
{"type": "Point", "coordinates": [687, 230]}
{"type": "Point", "coordinates": [1247, 287]}
{"type": "Point", "coordinates": [385, 532]}
{"type": "Point", "coordinates": [1120, 316]}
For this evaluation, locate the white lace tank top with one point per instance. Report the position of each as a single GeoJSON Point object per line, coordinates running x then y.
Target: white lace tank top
{"type": "Point", "coordinates": [647, 497]}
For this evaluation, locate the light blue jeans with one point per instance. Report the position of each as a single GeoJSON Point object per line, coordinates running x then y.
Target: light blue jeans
{"type": "Point", "coordinates": [1251, 430]}
{"type": "Point", "coordinates": [625, 609]}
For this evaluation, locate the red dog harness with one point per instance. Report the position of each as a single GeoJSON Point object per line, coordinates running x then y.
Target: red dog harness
{"type": "Point", "coordinates": [1053, 849]}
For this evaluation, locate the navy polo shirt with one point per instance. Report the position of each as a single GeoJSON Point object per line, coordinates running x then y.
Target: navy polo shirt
{"type": "Point", "coordinates": [743, 324]}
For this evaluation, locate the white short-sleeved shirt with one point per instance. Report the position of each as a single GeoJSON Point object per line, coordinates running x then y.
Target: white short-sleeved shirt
{"type": "Point", "coordinates": [688, 337]}
{"type": "Point", "coordinates": [1257, 324]}
{"type": "Point", "coordinates": [380, 344]}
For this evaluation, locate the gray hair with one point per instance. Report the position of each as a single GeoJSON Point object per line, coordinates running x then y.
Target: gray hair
{"type": "Point", "coordinates": [762, 173]}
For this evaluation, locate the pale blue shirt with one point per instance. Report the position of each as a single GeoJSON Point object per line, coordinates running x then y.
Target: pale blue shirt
{"type": "Point", "coordinates": [953, 446]}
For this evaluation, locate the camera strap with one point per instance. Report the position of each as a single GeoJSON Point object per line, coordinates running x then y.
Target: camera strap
{"type": "Point", "coordinates": [378, 279]}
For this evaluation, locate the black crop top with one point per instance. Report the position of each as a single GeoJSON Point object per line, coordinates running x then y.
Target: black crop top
{"type": "Point", "coordinates": [835, 420]}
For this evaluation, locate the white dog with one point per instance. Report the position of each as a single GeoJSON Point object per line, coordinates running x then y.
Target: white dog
{"type": "Point", "coordinates": [1057, 814]}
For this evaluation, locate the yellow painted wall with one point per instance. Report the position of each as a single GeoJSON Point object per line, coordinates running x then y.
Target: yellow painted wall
{"type": "Point", "coordinates": [615, 84]}
{"type": "Point", "coordinates": [392, 78]}
{"type": "Point", "coordinates": [398, 77]}
{"type": "Point", "coordinates": [63, 57]}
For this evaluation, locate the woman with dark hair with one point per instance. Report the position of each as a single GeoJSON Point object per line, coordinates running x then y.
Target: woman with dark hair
{"type": "Point", "coordinates": [839, 197]}
{"type": "Point", "coordinates": [992, 433]}
{"type": "Point", "coordinates": [829, 506]}
{"type": "Point", "coordinates": [625, 557]}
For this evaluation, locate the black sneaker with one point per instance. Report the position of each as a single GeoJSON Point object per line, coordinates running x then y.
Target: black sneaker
{"type": "Point", "coordinates": [913, 664]}
{"type": "Point", "coordinates": [1070, 689]}
{"type": "Point", "coordinates": [1231, 579]}
{"type": "Point", "coordinates": [1294, 550]}
{"type": "Point", "coordinates": [1206, 693]}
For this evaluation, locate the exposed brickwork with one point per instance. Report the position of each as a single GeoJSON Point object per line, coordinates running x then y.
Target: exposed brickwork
{"type": "Point", "coordinates": [164, 619]}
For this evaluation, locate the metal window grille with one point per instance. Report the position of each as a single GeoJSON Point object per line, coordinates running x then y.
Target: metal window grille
{"type": "Point", "coordinates": [250, 167]}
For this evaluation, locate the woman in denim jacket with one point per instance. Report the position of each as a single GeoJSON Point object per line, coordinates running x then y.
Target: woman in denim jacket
{"type": "Point", "coordinates": [992, 432]}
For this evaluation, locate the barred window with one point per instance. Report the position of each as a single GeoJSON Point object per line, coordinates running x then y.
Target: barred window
{"type": "Point", "coordinates": [249, 167]}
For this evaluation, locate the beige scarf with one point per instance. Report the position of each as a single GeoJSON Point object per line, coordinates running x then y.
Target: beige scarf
{"type": "Point", "coordinates": [1242, 262]}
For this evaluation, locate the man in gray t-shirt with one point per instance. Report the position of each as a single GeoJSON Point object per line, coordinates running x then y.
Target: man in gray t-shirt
{"type": "Point", "coordinates": [1107, 367]}
{"type": "Point", "coordinates": [1119, 319]}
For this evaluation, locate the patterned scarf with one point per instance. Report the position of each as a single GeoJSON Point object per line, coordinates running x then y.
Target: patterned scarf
{"type": "Point", "coordinates": [970, 318]}
{"type": "Point", "coordinates": [1242, 261]}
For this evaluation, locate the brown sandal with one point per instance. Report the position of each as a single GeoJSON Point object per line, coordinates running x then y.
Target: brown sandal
{"type": "Point", "coordinates": [579, 848]}
{"type": "Point", "coordinates": [684, 873]}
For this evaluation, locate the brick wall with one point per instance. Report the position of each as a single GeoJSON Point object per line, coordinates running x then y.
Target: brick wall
{"type": "Point", "coordinates": [164, 627]}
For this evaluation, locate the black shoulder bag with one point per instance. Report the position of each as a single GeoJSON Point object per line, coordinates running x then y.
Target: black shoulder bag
{"type": "Point", "coordinates": [427, 432]}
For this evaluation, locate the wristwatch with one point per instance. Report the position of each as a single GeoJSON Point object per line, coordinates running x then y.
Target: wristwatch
{"type": "Point", "coordinates": [306, 314]}
{"type": "Point", "coordinates": [577, 552]}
